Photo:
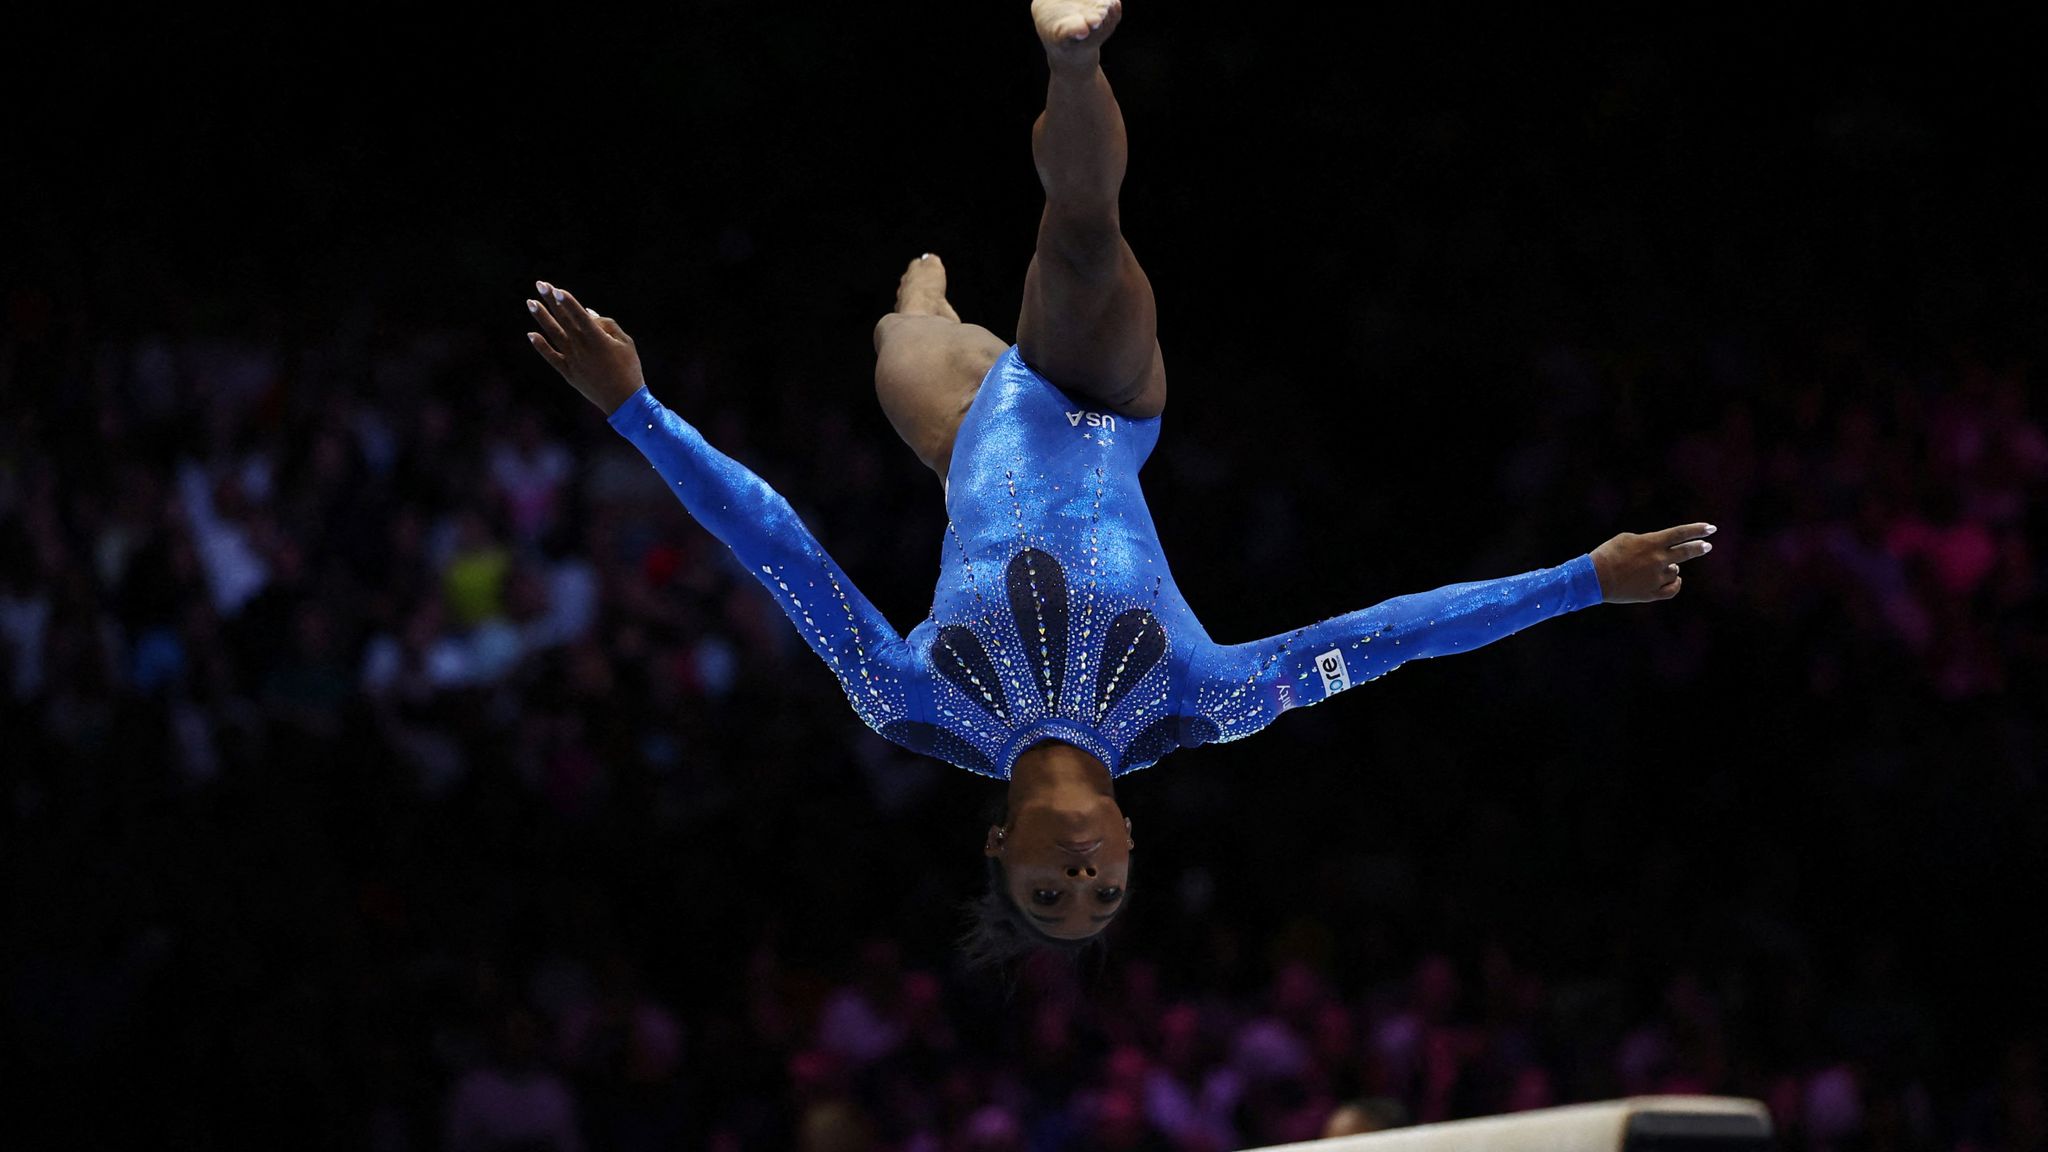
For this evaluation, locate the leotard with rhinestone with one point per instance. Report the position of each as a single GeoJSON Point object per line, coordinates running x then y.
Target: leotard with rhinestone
{"type": "Point", "coordinates": [1055, 616]}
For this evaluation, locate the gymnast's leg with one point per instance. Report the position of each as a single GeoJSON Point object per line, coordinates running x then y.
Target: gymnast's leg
{"type": "Point", "coordinates": [928, 364]}
{"type": "Point", "coordinates": [1089, 323]}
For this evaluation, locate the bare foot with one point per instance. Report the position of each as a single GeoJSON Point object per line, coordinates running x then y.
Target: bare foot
{"type": "Point", "coordinates": [1073, 30]}
{"type": "Point", "coordinates": [922, 289]}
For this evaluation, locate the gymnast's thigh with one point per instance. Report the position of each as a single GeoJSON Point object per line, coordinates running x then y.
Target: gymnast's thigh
{"type": "Point", "coordinates": [927, 370]}
{"type": "Point", "coordinates": [1090, 321]}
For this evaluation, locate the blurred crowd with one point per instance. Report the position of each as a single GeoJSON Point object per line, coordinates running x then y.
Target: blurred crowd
{"type": "Point", "coordinates": [388, 761]}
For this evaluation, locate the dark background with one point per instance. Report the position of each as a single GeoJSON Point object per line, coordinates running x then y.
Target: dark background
{"type": "Point", "coordinates": [1441, 299]}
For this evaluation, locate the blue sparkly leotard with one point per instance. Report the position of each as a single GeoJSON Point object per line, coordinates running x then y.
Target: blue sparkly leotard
{"type": "Point", "coordinates": [1055, 616]}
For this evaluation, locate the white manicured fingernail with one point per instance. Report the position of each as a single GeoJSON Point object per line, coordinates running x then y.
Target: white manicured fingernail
{"type": "Point", "coordinates": [1705, 548]}
{"type": "Point", "coordinates": [533, 305]}
{"type": "Point", "coordinates": [558, 295]}
{"type": "Point", "coordinates": [1711, 529]}
{"type": "Point", "coordinates": [593, 313]}
{"type": "Point", "coordinates": [540, 286]}
{"type": "Point", "coordinates": [926, 256]}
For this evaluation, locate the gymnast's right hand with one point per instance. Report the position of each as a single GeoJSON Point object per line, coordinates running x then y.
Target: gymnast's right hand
{"type": "Point", "coordinates": [590, 351]}
{"type": "Point", "coordinates": [1634, 569]}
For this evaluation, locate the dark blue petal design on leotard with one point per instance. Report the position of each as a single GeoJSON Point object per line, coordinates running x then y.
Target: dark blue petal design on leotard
{"type": "Point", "coordinates": [1155, 741]}
{"type": "Point", "coordinates": [1196, 731]}
{"type": "Point", "coordinates": [1038, 603]}
{"type": "Point", "coordinates": [1167, 733]}
{"type": "Point", "coordinates": [932, 740]}
{"type": "Point", "coordinates": [1036, 469]}
{"type": "Point", "coordinates": [958, 656]}
{"type": "Point", "coordinates": [1134, 643]}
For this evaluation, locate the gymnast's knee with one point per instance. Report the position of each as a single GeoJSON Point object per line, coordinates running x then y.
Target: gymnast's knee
{"type": "Point", "coordinates": [887, 328]}
{"type": "Point", "coordinates": [1089, 247]}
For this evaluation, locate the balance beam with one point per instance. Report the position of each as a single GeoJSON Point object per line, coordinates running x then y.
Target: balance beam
{"type": "Point", "coordinates": [1638, 1124]}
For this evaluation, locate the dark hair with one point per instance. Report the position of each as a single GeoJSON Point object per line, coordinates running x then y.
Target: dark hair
{"type": "Point", "coordinates": [999, 935]}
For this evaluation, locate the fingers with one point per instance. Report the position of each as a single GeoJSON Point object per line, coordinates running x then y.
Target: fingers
{"type": "Point", "coordinates": [1690, 550]}
{"type": "Point", "coordinates": [563, 307]}
{"type": "Point", "coordinates": [562, 321]}
{"type": "Point", "coordinates": [585, 319]}
{"type": "Point", "coordinates": [1671, 537]}
{"type": "Point", "coordinates": [549, 327]}
{"type": "Point", "coordinates": [547, 352]}
{"type": "Point", "coordinates": [1671, 589]}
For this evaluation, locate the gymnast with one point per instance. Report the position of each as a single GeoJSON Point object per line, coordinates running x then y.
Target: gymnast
{"type": "Point", "coordinates": [1058, 654]}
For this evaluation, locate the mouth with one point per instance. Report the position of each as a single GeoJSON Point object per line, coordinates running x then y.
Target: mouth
{"type": "Point", "coordinates": [1080, 847]}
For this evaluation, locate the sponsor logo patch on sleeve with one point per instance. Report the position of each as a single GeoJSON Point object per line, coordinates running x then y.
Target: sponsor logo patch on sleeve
{"type": "Point", "coordinates": [1336, 677]}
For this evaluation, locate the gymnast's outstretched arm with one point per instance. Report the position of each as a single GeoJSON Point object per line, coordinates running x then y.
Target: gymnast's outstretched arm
{"type": "Point", "coordinates": [1243, 687]}
{"type": "Point", "coordinates": [854, 639]}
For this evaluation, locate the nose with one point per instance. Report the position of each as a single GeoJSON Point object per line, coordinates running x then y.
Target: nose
{"type": "Point", "coordinates": [1076, 871]}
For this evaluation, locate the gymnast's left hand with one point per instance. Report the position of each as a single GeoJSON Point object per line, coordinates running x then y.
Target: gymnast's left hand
{"type": "Point", "coordinates": [1635, 568]}
{"type": "Point", "coordinates": [590, 351]}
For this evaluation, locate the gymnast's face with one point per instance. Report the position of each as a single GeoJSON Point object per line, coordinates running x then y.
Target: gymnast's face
{"type": "Point", "coordinates": [1065, 863]}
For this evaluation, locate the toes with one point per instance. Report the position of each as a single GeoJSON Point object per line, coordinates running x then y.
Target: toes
{"type": "Point", "coordinates": [922, 288]}
{"type": "Point", "coordinates": [1072, 23]}
{"type": "Point", "coordinates": [1104, 18]}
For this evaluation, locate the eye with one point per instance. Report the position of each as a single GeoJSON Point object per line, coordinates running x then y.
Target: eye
{"type": "Point", "coordinates": [1109, 895]}
{"type": "Point", "coordinates": [1044, 897]}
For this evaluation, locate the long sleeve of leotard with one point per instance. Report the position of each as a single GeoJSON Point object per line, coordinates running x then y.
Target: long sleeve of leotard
{"type": "Point", "coordinates": [1243, 687]}
{"type": "Point", "coordinates": [855, 640]}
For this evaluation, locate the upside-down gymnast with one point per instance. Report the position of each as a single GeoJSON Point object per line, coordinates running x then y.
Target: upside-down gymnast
{"type": "Point", "coordinates": [1058, 655]}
